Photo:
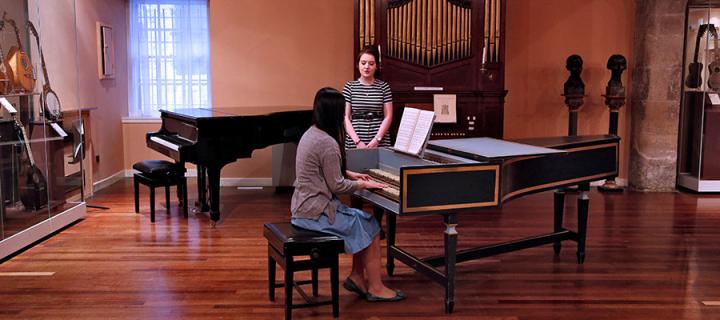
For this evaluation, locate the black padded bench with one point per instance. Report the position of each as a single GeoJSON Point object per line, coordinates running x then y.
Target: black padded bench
{"type": "Point", "coordinates": [285, 242]}
{"type": "Point", "coordinates": [161, 173]}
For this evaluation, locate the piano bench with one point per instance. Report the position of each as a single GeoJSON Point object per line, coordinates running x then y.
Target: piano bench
{"type": "Point", "coordinates": [161, 173]}
{"type": "Point", "coordinates": [285, 242]}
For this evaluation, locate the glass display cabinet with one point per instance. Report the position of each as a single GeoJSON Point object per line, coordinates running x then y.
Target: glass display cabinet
{"type": "Point", "coordinates": [36, 142]}
{"type": "Point", "coordinates": [699, 134]}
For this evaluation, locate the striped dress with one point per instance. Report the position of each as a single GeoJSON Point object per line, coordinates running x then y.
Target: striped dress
{"type": "Point", "coordinates": [366, 103]}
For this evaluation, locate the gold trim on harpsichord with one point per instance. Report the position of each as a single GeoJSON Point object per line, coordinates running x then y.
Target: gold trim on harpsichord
{"type": "Point", "coordinates": [413, 171]}
{"type": "Point", "coordinates": [571, 181]}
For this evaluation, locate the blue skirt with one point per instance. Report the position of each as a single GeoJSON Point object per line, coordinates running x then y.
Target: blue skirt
{"type": "Point", "coordinates": [356, 227]}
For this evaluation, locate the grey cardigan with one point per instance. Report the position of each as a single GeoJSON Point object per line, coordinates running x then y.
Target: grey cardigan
{"type": "Point", "coordinates": [318, 177]}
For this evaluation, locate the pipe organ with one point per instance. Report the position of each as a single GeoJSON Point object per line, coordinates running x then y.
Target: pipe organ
{"type": "Point", "coordinates": [431, 47]}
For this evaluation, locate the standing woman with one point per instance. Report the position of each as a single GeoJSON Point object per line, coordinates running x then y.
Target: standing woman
{"type": "Point", "coordinates": [321, 175]}
{"type": "Point", "coordinates": [368, 105]}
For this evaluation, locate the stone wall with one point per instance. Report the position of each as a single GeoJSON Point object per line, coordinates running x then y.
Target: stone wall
{"type": "Point", "coordinates": [655, 95]}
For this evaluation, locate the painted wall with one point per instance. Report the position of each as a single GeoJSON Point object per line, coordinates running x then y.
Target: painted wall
{"type": "Point", "coordinates": [259, 63]}
{"type": "Point", "coordinates": [541, 34]}
{"type": "Point", "coordinates": [109, 95]}
{"type": "Point", "coordinates": [268, 53]}
{"type": "Point", "coordinates": [69, 39]}
{"type": "Point", "coordinates": [55, 23]}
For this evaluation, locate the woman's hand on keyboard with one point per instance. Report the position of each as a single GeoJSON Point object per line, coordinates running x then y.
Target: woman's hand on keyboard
{"type": "Point", "coordinates": [357, 176]}
{"type": "Point", "coordinates": [362, 184]}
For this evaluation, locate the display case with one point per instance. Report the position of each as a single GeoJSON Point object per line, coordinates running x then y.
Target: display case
{"type": "Point", "coordinates": [699, 129]}
{"type": "Point", "coordinates": [34, 201]}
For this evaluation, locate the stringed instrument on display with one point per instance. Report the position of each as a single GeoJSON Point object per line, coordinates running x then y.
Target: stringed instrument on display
{"type": "Point", "coordinates": [33, 189]}
{"type": "Point", "coordinates": [48, 99]}
{"type": "Point", "coordinates": [19, 61]}
{"type": "Point", "coordinates": [6, 75]}
{"type": "Point", "coordinates": [694, 77]}
{"type": "Point", "coordinates": [714, 66]}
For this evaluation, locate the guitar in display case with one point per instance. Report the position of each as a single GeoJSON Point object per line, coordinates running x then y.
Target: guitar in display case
{"type": "Point", "coordinates": [695, 68]}
{"type": "Point", "coordinates": [6, 75]}
{"type": "Point", "coordinates": [19, 61]}
{"type": "Point", "coordinates": [48, 99]}
{"type": "Point", "coordinates": [714, 66]}
{"type": "Point", "coordinates": [33, 185]}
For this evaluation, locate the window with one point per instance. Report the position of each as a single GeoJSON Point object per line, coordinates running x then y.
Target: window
{"type": "Point", "coordinates": [169, 56]}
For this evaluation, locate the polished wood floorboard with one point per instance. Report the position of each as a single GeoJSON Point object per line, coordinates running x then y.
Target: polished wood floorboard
{"type": "Point", "coordinates": [649, 256]}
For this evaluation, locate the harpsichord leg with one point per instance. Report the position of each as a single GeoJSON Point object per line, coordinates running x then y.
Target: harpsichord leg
{"type": "Point", "coordinates": [391, 227]}
{"type": "Point", "coordinates": [559, 205]}
{"type": "Point", "coordinates": [450, 238]}
{"type": "Point", "coordinates": [356, 202]}
{"type": "Point", "coordinates": [583, 207]}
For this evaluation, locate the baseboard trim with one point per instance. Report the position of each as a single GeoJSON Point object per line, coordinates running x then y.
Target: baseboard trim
{"type": "Point", "coordinates": [619, 181]}
{"type": "Point", "coordinates": [28, 237]}
{"type": "Point", "coordinates": [104, 183]}
{"type": "Point", "coordinates": [224, 182]}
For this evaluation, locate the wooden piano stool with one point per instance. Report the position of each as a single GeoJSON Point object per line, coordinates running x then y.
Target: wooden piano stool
{"type": "Point", "coordinates": [161, 173]}
{"type": "Point", "coordinates": [285, 242]}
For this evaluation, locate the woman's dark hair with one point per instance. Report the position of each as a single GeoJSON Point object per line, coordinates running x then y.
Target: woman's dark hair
{"type": "Point", "coordinates": [373, 51]}
{"type": "Point", "coordinates": [328, 116]}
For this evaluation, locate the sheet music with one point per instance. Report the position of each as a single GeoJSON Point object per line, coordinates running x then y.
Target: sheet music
{"type": "Point", "coordinates": [714, 98]}
{"type": "Point", "coordinates": [8, 106]}
{"type": "Point", "coordinates": [59, 130]}
{"type": "Point", "coordinates": [405, 131]}
{"type": "Point", "coordinates": [414, 130]}
{"type": "Point", "coordinates": [422, 131]}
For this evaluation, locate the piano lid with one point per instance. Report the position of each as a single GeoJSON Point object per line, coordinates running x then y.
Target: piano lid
{"type": "Point", "coordinates": [199, 113]}
{"type": "Point", "coordinates": [488, 148]}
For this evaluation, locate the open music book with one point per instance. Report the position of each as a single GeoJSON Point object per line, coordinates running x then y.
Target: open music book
{"type": "Point", "coordinates": [414, 131]}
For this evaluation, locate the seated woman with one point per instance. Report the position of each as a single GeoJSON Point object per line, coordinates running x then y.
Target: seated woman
{"type": "Point", "coordinates": [321, 175]}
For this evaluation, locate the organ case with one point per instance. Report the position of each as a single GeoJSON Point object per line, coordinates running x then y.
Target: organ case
{"type": "Point", "coordinates": [440, 47]}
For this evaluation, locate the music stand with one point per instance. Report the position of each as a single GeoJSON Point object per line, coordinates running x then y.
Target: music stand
{"type": "Point", "coordinates": [78, 155]}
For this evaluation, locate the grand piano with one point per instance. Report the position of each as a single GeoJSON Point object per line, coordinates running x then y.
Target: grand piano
{"type": "Point", "coordinates": [464, 176]}
{"type": "Point", "coordinates": [212, 138]}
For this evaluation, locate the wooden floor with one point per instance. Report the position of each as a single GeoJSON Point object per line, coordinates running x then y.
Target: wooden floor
{"type": "Point", "coordinates": [649, 256]}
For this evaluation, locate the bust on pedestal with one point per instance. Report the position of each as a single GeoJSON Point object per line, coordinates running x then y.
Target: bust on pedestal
{"type": "Point", "coordinates": [573, 91]}
{"type": "Point", "coordinates": [614, 99]}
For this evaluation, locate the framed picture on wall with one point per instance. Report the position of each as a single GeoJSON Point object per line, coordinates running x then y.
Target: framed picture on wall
{"type": "Point", "coordinates": [106, 51]}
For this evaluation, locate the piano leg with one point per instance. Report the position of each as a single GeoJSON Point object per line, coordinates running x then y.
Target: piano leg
{"type": "Point", "coordinates": [214, 184]}
{"type": "Point", "coordinates": [559, 204]}
{"type": "Point", "coordinates": [391, 217]}
{"type": "Point", "coordinates": [583, 205]}
{"type": "Point", "coordinates": [202, 204]}
{"type": "Point", "coordinates": [450, 238]}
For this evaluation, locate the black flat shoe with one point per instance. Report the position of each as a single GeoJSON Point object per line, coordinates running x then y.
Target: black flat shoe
{"type": "Point", "coordinates": [349, 285]}
{"type": "Point", "coordinates": [399, 295]}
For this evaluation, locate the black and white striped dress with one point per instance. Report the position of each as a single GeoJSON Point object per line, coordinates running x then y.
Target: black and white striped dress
{"type": "Point", "coordinates": [366, 103]}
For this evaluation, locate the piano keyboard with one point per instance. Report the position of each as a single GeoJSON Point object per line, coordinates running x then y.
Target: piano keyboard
{"type": "Point", "coordinates": [392, 181]}
{"type": "Point", "coordinates": [384, 176]}
{"type": "Point", "coordinates": [173, 142]}
{"type": "Point", "coordinates": [166, 143]}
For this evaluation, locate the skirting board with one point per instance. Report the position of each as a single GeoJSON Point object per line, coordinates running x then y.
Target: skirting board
{"type": "Point", "coordinates": [224, 182]}
{"type": "Point", "coordinates": [30, 235]}
{"type": "Point", "coordinates": [104, 183]}
{"type": "Point", "coordinates": [619, 181]}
